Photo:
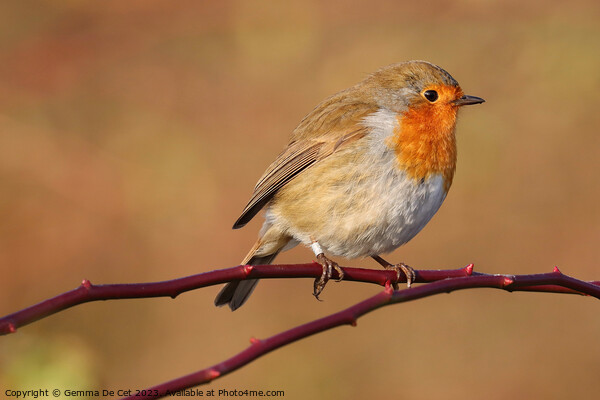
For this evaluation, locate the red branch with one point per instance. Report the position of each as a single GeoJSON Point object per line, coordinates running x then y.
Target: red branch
{"type": "Point", "coordinates": [554, 282]}
{"type": "Point", "coordinates": [87, 292]}
{"type": "Point", "coordinates": [438, 281]}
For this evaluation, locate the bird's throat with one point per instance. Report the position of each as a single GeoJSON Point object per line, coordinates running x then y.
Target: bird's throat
{"type": "Point", "coordinates": [425, 143]}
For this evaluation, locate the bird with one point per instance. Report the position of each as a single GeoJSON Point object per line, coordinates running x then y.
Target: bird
{"type": "Point", "coordinates": [362, 173]}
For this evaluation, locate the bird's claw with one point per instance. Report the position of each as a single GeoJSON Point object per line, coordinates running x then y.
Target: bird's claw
{"type": "Point", "coordinates": [328, 267]}
{"type": "Point", "coordinates": [408, 271]}
{"type": "Point", "coordinates": [410, 274]}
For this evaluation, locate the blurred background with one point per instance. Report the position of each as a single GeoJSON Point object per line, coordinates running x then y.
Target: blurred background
{"type": "Point", "coordinates": [132, 134]}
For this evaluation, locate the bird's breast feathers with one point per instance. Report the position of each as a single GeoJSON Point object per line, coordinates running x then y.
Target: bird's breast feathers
{"type": "Point", "coordinates": [362, 200]}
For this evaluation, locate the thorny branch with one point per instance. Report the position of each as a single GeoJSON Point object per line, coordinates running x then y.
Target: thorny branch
{"type": "Point", "coordinates": [87, 292]}
{"type": "Point", "coordinates": [438, 281]}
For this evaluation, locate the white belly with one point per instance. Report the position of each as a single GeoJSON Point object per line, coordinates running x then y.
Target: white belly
{"type": "Point", "coordinates": [392, 211]}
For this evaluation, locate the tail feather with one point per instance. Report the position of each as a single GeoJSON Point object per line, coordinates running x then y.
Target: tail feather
{"type": "Point", "coordinates": [236, 293]}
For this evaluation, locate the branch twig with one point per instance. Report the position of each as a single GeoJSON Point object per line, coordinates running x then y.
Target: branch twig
{"type": "Point", "coordinates": [554, 282]}
{"type": "Point", "coordinates": [438, 281]}
{"type": "Point", "coordinates": [87, 292]}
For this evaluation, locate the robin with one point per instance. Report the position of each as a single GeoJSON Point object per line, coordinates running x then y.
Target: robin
{"type": "Point", "coordinates": [362, 174]}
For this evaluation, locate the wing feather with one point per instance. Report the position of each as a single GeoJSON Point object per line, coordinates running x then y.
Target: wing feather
{"type": "Point", "coordinates": [337, 130]}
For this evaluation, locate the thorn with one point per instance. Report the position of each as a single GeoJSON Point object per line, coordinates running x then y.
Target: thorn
{"type": "Point", "coordinates": [213, 373]}
{"type": "Point", "coordinates": [247, 269]}
{"type": "Point", "coordinates": [469, 269]}
{"type": "Point", "coordinates": [508, 280]}
{"type": "Point", "coordinates": [254, 340]}
{"type": "Point", "coordinates": [388, 287]}
{"type": "Point", "coordinates": [86, 283]}
{"type": "Point", "coordinates": [11, 327]}
{"type": "Point", "coordinates": [556, 270]}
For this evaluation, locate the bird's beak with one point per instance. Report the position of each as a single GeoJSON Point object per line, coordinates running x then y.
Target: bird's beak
{"type": "Point", "coordinates": [466, 100]}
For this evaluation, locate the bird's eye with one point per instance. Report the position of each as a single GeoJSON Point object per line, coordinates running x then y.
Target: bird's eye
{"type": "Point", "coordinates": [431, 95]}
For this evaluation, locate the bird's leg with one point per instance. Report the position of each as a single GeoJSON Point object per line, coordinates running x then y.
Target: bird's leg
{"type": "Point", "coordinates": [328, 267]}
{"type": "Point", "coordinates": [408, 271]}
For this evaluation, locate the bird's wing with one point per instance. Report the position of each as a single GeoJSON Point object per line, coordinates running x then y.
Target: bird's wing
{"type": "Point", "coordinates": [313, 140]}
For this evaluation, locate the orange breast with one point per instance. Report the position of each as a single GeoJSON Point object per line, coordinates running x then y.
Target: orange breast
{"type": "Point", "coordinates": [425, 143]}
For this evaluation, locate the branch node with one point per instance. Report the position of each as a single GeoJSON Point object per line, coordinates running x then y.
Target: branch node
{"type": "Point", "coordinates": [247, 269]}
{"type": "Point", "coordinates": [11, 327]}
{"type": "Point", "coordinates": [353, 322]}
{"type": "Point", "coordinates": [213, 374]}
{"type": "Point", "coordinates": [469, 269]}
{"type": "Point", "coordinates": [556, 270]}
{"type": "Point", "coordinates": [86, 284]}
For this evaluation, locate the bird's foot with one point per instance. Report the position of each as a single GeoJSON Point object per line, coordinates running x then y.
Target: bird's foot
{"type": "Point", "coordinates": [408, 271]}
{"type": "Point", "coordinates": [328, 267]}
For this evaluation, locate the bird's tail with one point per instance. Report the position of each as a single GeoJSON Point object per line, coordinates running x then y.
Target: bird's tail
{"type": "Point", "coordinates": [236, 293]}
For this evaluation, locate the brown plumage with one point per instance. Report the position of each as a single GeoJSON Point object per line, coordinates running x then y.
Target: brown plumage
{"type": "Point", "coordinates": [362, 174]}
